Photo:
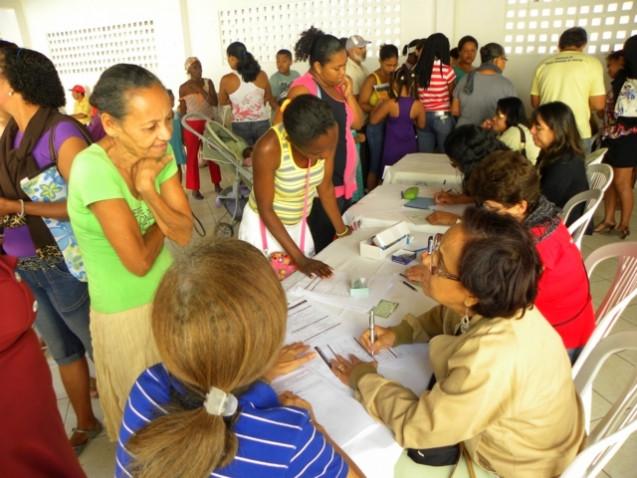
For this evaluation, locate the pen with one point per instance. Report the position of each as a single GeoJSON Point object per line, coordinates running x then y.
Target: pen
{"type": "Point", "coordinates": [403, 275]}
{"type": "Point", "coordinates": [372, 332]}
{"type": "Point", "coordinates": [322, 355]}
{"type": "Point", "coordinates": [410, 286]}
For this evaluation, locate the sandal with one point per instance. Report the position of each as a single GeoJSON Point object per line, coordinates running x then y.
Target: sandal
{"type": "Point", "coordinates": [90, 434]}
{"type": "Point", "coordinates": [604, 227]}
{"type": "Point", "coordinates": [623, 232]}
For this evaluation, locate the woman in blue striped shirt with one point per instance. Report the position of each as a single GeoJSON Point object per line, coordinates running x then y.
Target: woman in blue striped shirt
{"type": "Point", "coordinates": [219, 321]}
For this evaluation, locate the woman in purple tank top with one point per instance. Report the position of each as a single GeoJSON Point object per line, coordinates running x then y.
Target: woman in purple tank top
{"type": "Point", "coordinates": [38, 138]}
{"type": "Point", "coordinates": [403, 113]}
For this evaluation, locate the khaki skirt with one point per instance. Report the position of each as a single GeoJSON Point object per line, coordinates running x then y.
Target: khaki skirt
{"type": "Point", "coordinates": [123, 347]}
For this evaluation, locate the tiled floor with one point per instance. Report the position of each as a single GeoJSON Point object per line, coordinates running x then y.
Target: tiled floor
{"type": "Point", "coordinates": [98, 461]}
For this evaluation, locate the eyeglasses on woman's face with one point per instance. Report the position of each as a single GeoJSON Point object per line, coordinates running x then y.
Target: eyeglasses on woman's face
{"type": "Point", "coordinates": [436, 263]}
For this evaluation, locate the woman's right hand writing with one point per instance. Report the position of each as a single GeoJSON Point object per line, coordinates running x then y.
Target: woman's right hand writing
{"type": "Point", "coordinates": [444, 197]}
{"type": "Point", "coordinates": [384, 338]}
{"type": "Point", "coordinates": [312, 267]}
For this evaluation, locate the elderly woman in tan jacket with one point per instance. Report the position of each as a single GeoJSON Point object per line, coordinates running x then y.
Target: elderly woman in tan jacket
{"type": "Point", "coordinates": [503, 403]}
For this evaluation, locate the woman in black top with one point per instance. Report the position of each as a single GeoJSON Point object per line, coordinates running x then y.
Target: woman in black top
{"type": "Point", "coordinates": [561, 159]}
{"type": "Point", "coordinates": [620, 137]}
{"type": "Point", "coordinates": [326, 79]}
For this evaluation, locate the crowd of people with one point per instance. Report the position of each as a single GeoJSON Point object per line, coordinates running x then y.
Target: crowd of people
{"type": "Point", "coordinates": [185, 347]}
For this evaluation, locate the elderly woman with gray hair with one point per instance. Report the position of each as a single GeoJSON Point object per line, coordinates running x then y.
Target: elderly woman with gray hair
{"type": "Point", "coordinates": [477, 93]}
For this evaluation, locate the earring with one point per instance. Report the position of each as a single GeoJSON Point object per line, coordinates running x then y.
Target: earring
{"type": "Point", "coordinates": [464, 323]}
{"type": "Point", "coordinates": [10, 93]}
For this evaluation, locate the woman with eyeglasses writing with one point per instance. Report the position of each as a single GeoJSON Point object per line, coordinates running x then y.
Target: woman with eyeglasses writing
{"type": "Point", "coordinates": [491, 397]}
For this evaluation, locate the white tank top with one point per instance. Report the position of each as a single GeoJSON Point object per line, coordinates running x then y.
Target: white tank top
{"type": "Point", "coordinates": [196, 103]}
{"type": "Point", "coordinates": [248, 103]}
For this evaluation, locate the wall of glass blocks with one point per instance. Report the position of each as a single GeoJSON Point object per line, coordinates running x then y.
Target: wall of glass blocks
{"type": "Point", "coordinates": [266, 28]}
{"type": "Point", "coordinates": [534, 27]}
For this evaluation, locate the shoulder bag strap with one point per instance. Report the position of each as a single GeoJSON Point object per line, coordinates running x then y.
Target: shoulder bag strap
{"type": "Point", "coordinates": [522, 140]}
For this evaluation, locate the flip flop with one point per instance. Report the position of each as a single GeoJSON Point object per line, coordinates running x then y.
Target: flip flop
{"type": "Point", "coordinates": [90, 434]}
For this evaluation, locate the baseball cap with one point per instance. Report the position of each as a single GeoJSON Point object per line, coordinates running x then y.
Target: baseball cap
{"type": "Point", "coordinates": [78, 89]}
{"type": "Point", "coordinates": [356, 41]}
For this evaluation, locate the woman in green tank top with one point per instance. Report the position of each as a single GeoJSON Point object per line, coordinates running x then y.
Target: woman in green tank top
{"type": "Point", "coordinates": [293, 163]}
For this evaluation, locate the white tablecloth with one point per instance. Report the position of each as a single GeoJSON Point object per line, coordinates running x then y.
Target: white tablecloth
{"type": "Point", "coordinates": [428, 168]}
{"type": "Point", "coordinates": [383, 207]}
{"type": "Point", "coordinates": [375, 451]}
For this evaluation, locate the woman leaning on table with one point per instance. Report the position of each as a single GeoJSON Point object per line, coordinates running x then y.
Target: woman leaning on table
{"type": "Point", "coordinates": [293, 164]}
{"type": "Point", "coordinates": [504, 391]}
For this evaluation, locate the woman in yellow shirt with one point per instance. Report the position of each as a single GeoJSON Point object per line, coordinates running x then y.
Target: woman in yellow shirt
{"type": "Point", "coordinates": [375, 89]}
{"type": "Point", "coordinates": [293, 162]}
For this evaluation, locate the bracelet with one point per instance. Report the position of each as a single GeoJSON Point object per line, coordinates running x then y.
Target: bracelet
{"type": "Point", "coordinates": [344, 233]}
{"type": "Point", "coordinates": [21, 213]}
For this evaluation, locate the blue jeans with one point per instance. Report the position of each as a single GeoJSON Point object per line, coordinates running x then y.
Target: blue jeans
{"type": "Point", "coordinates": [375, 134]}
{"type": "Point", "coordinates": [432, 138]}
{"type": "Point", "coordinates": [63, 312]}
{"type": "Point", "coordinates": [250, 131]}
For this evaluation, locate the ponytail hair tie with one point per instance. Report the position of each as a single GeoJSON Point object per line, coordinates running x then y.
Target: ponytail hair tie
{"type": "Point", "coordinates": [220, 403]}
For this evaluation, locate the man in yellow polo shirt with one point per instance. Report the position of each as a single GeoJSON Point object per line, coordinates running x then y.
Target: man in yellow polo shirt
{"type": "Point", "coordinates": [574, 78]}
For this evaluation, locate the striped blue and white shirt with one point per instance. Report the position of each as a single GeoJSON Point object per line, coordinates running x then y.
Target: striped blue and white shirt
{"type": "Point", "coordinates": [274, 440]}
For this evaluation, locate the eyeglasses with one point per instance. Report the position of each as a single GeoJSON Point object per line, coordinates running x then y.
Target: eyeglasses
{"type": "Point", "coordinates": [436, 266]}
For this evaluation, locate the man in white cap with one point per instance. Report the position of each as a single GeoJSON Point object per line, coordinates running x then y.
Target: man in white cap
{"type": "Point", "coordinates": [356, 47]}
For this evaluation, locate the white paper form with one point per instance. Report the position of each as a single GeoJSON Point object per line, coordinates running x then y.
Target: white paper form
{"type": "Point", "coordinates": [308, 323]}
{"type": "Point", "coordinates": [333, 404]}
{"type": "Point", "coordinates": [347, 345]}
{"type": "Point", "coordinates": [335, 290]}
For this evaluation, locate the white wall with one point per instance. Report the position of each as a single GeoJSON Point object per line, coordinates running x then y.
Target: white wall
{"type": "Point", "coordinates": [205, 36]}
{"type": "Point", "coordinates": [44, 16]}
{"type": "Point", "coordinates": [191, 27]}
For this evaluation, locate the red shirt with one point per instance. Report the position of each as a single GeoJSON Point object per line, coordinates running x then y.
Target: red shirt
{"type": "Point", "coordinates": [436, 96]}
{"type": "Point", "coordinates": [563, 290]}
{"type": "Point", "coordinates": [33, 442]}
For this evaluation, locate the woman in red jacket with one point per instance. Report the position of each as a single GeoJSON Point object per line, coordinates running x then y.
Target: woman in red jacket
{"type": "Point", "coordinates": [33, 442]}
{"type": "Point", "coordinates": [506, 182]}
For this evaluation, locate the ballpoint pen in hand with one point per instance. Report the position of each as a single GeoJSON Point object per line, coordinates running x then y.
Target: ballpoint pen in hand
{"type": "Point", "coordinates": [372, 332]}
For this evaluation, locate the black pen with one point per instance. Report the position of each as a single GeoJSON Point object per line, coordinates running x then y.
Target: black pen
{"type": "Point", "coordinates": [322, 355]}
{"type": "Point", "coordinates": [410, 286]}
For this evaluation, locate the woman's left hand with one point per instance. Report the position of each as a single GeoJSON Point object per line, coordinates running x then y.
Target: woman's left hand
{"type": "Point", "coordinates": [442, 218]}
{"type": "Point", "coordinates": [146, 170]}
{"type": "Point", "coordinates": [343, 367]}
{"type": "Point", "coordinates": [347, 87]}
{"type": "Point", "coordinates": [290, 358]}
{"type": "Point", "coordinates": [8, 206]}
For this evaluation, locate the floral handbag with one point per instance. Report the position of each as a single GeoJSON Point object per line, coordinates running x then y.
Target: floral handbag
{"type": "Point", "coordinates": [281, 262]}
{"type": "Point", "coordinates": [49, 186]}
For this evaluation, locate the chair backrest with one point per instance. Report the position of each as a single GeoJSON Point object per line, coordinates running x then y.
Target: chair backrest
{"type": "Point", "coordinates": [591, 461]}
{"type": "Point", "coordinates": [619, 422]}
{"type": "Point", "coordinates": [599, 176]}
{"type": "Point", "coordinates": [595, 157]}
{"type": "Point", "coordinates": [621, 292]}
{"type": "Point", "coordinates": [592, 198]}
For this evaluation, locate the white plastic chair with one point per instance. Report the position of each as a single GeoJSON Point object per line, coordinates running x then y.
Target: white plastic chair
{"type": "Point", "coordinates": [592, 198]}
{"type": "Point", "coordinates": [618, 423]}
{"type": "Point", "coordinates": [596, 157]}
{"type": "Point", "coordinates": [619, 295]}
{"type": "Point", "coordinates": [599, 176]}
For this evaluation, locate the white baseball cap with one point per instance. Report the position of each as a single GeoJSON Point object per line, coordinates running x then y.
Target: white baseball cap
{"type": "Point", "coordinates": [356, 41]}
